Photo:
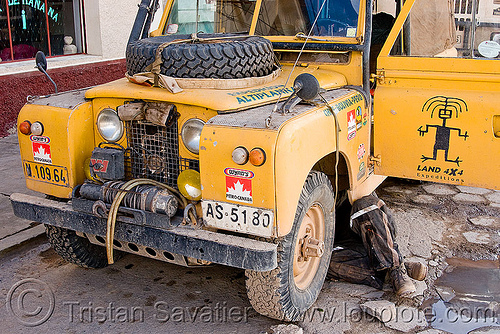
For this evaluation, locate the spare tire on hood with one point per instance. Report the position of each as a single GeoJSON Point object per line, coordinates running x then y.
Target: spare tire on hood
{"type": "Point", "coordinates": [218, 56]}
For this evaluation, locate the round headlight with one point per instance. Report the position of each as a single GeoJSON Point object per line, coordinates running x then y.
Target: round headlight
{"type": "Point", "coordinates": [190, 134]}
{"type": "Point", "coordinates": [109, 125]}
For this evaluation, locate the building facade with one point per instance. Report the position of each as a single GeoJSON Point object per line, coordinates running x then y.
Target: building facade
{"type": "Point", "coordinates": [84, 41]}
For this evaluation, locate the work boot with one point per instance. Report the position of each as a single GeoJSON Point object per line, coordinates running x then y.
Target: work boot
{"type": "Point", "coordinates": [416, 270]}
{"type": "Point", "coordinates": [401, 283]}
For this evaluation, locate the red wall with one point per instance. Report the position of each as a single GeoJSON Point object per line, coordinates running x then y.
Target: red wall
{"type": "Point", "coordinates": [15, 88]}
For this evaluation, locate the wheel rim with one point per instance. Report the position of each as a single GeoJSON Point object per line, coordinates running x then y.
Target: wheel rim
{"type": "Point", "coordinates": [312, 227]}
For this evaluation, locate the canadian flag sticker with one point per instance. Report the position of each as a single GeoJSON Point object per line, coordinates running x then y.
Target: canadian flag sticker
{"type": "Point", "coordinates": [238, 189]}
{"type": "Point", "coordinates": [41, 153]}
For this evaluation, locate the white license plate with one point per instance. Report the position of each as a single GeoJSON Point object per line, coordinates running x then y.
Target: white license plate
{"type": "Point", "coordinates": [238, 218]}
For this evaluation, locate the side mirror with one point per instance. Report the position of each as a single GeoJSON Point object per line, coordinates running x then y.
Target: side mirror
{"type": "Point", "coordinates": [306, 86]}
{"type": "Point", "coordinates": [41, 64]}
{"type": "Point", "coordinates": [41, 61]}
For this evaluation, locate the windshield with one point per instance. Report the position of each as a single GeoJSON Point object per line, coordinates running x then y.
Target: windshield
{"type": "Point", "coordinates": [290, 17]}
{"type": "Point", "coordinates": [276, 17]}
{"type": "Point", "coordinates": [214, 16]}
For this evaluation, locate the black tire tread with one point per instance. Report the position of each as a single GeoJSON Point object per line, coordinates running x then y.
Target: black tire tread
{"type": "Point", "coordinates": [222, 59]}
{"type": "Point", "coordinates": [76, 249]}
{"type": "Point", "coordinates": [269, 291]}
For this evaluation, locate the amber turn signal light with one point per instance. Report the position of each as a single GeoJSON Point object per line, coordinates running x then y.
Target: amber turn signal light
{"type": "Point", "coordinates": [257, 157]}
{"type": "Point", "coordinates": [25, 128]}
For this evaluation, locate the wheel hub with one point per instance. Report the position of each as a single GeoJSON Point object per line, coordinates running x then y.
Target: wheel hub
{"type": "Point", "coordinates": [309, 247]}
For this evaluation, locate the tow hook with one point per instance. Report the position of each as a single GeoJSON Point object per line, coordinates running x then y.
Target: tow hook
{"type": "Point", "coordinates": [191, 219]}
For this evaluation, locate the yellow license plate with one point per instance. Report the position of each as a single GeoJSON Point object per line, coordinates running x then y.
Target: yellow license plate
{"type": "Point", "coordinates": [46, 173]}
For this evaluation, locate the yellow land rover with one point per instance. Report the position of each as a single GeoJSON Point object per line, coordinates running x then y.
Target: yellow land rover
{"type": "Point", "coordinates": [240, 125]}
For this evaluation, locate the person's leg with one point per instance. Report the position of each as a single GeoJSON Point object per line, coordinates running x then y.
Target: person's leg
{"type": "Point", "coordinates": [376, 228]}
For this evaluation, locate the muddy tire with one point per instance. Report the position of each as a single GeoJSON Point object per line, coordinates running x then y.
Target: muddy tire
{"type": "Point", "coordinates": [288, 291]}
{"type": "Point", "coordinates": [77, 250]}
{"type": "Point", "coordinates": [232, 58]}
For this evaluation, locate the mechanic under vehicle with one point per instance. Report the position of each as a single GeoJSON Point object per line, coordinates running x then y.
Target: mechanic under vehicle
{"type": "Point", "coordinates": [242, 125]}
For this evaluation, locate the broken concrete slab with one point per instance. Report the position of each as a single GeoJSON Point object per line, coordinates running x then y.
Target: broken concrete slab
{"type": "Point", "coordinates": [383, 310]}
{"type": "Point", "coordinates": [396, 189]}
{"type": "Point", "coordinates": [420, 287]}
{"type": "Point", "coordinates": [373, 295]}
{"type": "Point", "coordinates": [432, 331]}
{"type": "Point", "coordinates": [473, 190]}
{"type": "Point", "coordinates": [439, 189]}
{"type": "Point", "coordinates": [494, 197]}
{"type": "Point", "coordinates": [445, 293]}
{"type": "Point", "coordinates": [462, 197]}
{"type": "Point", "coordinates": [417, 244]}
{"type": "Point", "coordinates": [425, 199]}
{"type": "Point", "coordinates": [486, 330]}
{"type": "Point", "coordinates": [286, 329]}
{"type": "Point", "coordinates": [21, 237]}
{"type": "Point", "coordinates": [407, 319]}
{"type": "Point", "coordinates": [477, 237]}
{"type": "Point", "coordinates": [9, 223]}
{"type": "Point", "coordinates": [486, 221]}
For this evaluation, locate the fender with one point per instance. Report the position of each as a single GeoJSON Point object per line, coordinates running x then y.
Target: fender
{"type": "Point", "coordinates": [68, 126]}
{"type": "Point", "coordinates": [306, 139]}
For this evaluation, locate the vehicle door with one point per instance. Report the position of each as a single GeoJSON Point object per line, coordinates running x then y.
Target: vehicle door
{"type": "Point", "coordinates": [437, 96]}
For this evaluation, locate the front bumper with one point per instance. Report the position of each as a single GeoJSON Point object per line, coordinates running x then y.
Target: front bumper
{"type": "Point", "coordinates": [233, 251]}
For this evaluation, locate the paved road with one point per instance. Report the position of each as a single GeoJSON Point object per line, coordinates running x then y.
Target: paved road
{"type": "Point", "coordinates": [13, 230]}
{"type": "Point", "coordinates": [436, 225]}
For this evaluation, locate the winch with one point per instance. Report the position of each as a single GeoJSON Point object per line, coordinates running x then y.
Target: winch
{"type": "Point", "coordinates": [142, 197]}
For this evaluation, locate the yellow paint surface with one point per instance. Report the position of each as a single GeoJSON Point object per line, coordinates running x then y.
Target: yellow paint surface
{"type": "Point", "coordinates": [435, 118]}
{"type": "Point", "coordinates": [71, 142]}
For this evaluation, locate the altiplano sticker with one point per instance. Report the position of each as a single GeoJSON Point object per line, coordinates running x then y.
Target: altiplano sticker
{"type": "Point", "coordinates": [351, 124]}
{"type": "Point", "coordinates": [41, 153]}
{"type": "Point", "coordinates": [239, 189]}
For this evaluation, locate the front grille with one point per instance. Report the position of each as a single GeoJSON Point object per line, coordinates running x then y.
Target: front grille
{"type": "Point", "coordinates": [154, 152]}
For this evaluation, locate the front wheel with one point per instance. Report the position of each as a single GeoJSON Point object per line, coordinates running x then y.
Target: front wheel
{"type": "Point", "coordinates": [76, 249]}
{"type": "Point", "coordinates": [288, 291]}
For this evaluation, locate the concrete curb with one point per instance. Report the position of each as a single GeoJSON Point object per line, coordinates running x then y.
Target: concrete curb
{"type": "Point", "coordinates": [21, 237]}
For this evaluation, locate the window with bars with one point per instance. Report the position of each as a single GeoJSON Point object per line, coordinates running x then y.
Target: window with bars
{"type": "Point", "coordinates": [28, 26]}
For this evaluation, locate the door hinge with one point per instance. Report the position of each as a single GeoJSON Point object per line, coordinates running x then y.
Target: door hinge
{"type": "Point", "coordinates": [376, 160]}
{"type": "Point", "coordinates": [379, 77]}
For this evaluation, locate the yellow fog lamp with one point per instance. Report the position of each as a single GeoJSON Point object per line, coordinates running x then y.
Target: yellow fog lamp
{"type": "Point", "coordinates": [189, 184]}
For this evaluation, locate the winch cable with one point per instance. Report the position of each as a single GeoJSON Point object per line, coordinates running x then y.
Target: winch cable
{"type": "Point", "coordinates": [275, 109]}
{"type": "Point", "coordinates": [113, 211]}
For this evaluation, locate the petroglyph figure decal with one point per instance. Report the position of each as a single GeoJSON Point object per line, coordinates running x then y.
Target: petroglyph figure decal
{"type": "Point", "coordinates": [447, 108]}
